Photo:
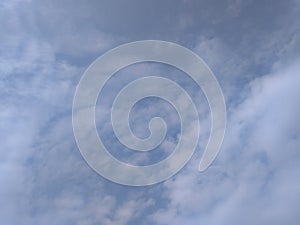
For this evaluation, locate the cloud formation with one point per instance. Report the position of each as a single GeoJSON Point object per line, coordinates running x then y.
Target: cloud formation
{"type": "Point", "coordinates": [253, 49]}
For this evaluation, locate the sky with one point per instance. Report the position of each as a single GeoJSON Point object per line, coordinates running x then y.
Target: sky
{"type": "Point", "coordinates": [253, 49]}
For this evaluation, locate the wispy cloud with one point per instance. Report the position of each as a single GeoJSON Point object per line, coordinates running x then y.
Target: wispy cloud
{"type": "Point", "coordinates": [252, 47]}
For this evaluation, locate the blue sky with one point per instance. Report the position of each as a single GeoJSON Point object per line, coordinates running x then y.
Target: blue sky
{"type": "Point", "coordinates": [251, 46]}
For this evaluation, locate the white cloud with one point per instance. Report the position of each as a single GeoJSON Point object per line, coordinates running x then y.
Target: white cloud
{"type": "Point", "coordinates": [43, 178]}
{"type": "Point", "coordinates": [254, 180]}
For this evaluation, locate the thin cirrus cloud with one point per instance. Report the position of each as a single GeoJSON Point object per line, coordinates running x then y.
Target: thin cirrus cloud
{"type": "Point", "coordinates": [253, 49]}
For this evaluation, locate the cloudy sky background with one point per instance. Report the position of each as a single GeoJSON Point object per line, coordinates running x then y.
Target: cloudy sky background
{"type": "Point", "coordinates": [253, 48]}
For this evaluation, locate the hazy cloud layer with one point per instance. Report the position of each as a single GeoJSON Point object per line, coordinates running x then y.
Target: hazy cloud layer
{"type": "Point", "coordinates": [251, 46]}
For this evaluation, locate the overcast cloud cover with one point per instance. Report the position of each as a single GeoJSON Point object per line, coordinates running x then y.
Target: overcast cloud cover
{"type": "Point", "coordinates": [253, 48]}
